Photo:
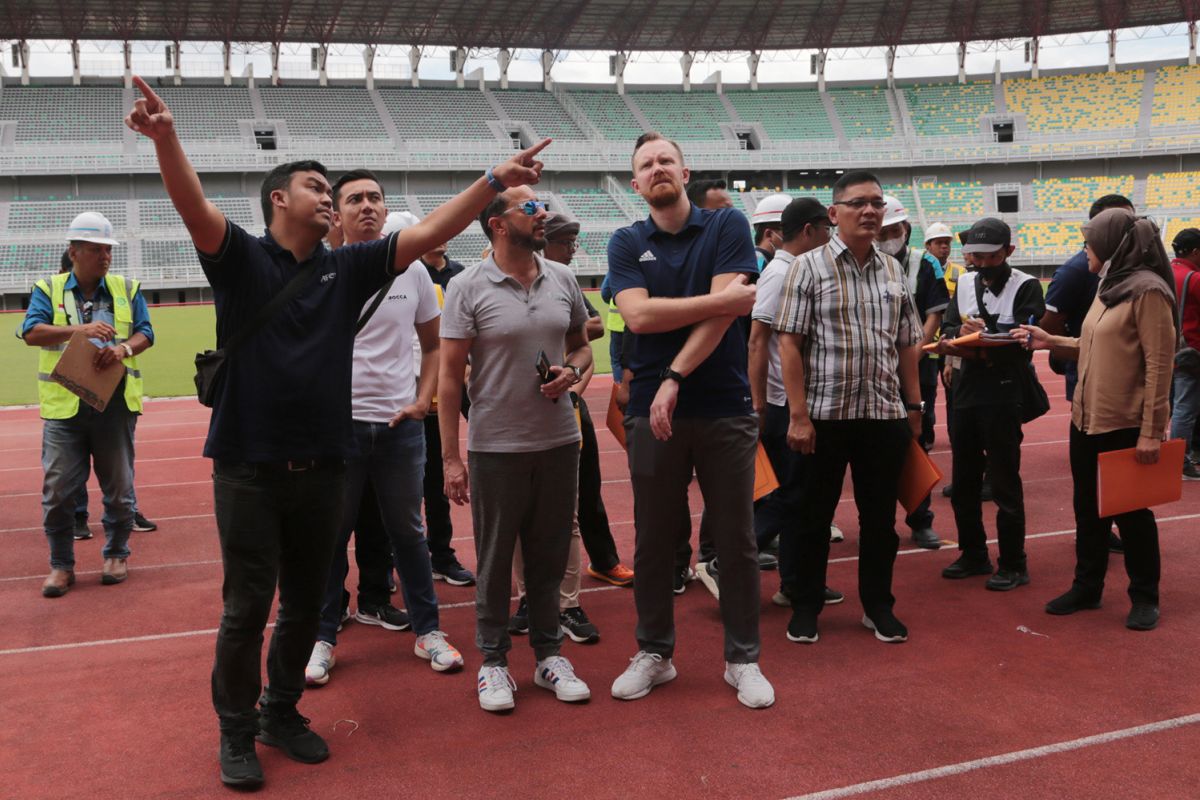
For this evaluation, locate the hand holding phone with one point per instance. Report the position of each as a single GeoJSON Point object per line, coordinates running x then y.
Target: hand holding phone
{"type": "Point", "coordinates": [543, 369]}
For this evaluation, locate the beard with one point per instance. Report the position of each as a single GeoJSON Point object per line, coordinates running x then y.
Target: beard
{"type": "Point", "coordinates": [534, 242]}
{"type": "Point", "coordinates": [664, 194]}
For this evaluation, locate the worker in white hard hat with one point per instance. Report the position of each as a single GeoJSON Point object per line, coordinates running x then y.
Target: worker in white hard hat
{"type": "Point", "coordinates": [768, 229]}
{"type": "Point", "coordinates": [110, 311]}
{"type": "Point", "coordinates": [924, 273]}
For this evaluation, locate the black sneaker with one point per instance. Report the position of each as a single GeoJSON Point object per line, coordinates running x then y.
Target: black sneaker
{"type": "Point", "coordinates": [289, 731]}
{"type": "Point", "coordinates": [454, 574]}
{"type": "Point", "coordinates": [887, 628]}
{"type": "Point", "coordinates": [985, 492]}
{"type": "Point", "coordinates": [966, 566]}
{"type": "Point", "coordinates": [803, 627]}
{"type": "Point", "coordinates": [575, 623]}
{"type": "Point", "coordinates": [1115, 545]}
{"type": "Point", "coordinates": [1005, 580]}
{"type": "Point", "coordinates": [1074, 599]}
{"type": "Point", "coordinates": [948, 490]}
{"type": "Point", "coordinates": [926, 539]}
{"type": "Point", "coordinates": [1190, 471]}
{"type": "Point", "coordinates": [768, 561]}
{"type": "Point", "coordinates": [1142, 617]}
{"type": "Point", "coordinates": [833, 597]}
{"type": "Point", "coordinates": [143, 525]}
{"type": "Point", "coordinates": [239, 761]}
{"type": "Point", "coordinates": [519, 622]}
{"type": "Point", "coordinates": [82, 531]}
{"type": "Point", "coordinates": [386, 616]}
{"type": "Point", "coordinates": [682, 577]}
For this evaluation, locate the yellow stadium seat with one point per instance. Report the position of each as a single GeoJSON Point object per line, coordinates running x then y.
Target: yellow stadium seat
{"type": "Point", "coordinates": [1090, 101]}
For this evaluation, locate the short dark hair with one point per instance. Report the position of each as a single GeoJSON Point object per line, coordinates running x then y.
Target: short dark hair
{"type": "Point", "coordinates": [281, 178]}
{"type": "Point", "coordinates": [655, 136]}
{"type": "Point", "coordinates": [1109, 201]}
{"type": "Point", "coordinates": [760, 230]}
{"type": "Point", "coordinates": [65, 265]}
{"type": "Point", "coordinates": [495, 208]}
{"type": "Point", "coordinates": [355, 175]}
{"type": "Point", "coordinates": [800, 213]}
{"type": "Point", "coordinates": [697, 192]}
{"type": "Point", "coordinates": [854, 178]}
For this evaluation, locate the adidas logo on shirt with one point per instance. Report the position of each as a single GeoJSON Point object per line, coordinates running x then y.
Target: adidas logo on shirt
{"type": "Point", "coordinates": [647, 256]}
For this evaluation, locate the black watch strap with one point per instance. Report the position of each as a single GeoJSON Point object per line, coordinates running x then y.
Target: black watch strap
{"type": "Point", "coordinates": [669, 374]}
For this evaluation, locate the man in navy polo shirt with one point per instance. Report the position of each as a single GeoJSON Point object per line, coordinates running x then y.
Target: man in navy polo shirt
{"type": "Point", "coordinates": [680, 280]}
{"type": "Point", "coordinates": [281, 425]}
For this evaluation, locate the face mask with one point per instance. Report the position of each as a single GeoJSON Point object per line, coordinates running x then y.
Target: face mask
{"type": "Point", "coordinates": [892, 247]}
{"type": "Point", "coordinates": [991, 273]}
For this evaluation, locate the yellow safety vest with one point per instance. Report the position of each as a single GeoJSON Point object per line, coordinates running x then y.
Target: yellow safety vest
{"type": "Point", "coordinates": [56, 401]}
{"type": "Point", "coordinates": [953, 272]}
{"type": "Point", "coordinates": [615, 322]}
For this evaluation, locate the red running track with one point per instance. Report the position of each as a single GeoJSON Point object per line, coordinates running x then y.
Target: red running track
{"type": "Point", "coordinates": [106, 690]}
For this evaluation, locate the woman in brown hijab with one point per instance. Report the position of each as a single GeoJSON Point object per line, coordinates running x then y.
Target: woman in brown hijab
{"type": "Point", "coordinates": [1126, 352]}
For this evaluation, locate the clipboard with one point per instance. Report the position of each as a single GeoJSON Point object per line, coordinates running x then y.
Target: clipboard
{"type": "Point", "coordinates": [765, 481]}
{"type": "Point", "coordinates": [918, 477]}
{"type": "Point", "coordinates": [977, 339]}
{"type": "Point", "coordinates": [1123, 485]}
{"type": "Point", "coordinates": [74, 371]}
{"type": "Point", "coordinates": [615, 420]}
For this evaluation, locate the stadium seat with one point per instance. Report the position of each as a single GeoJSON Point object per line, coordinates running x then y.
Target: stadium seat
{"type": "Point", "coordinates": [949, 109]}
{"type": "Point", "coordinates": [951, 199]}
{"type": "Point", "coordinates": [208, 112]}
{"type": "Point", "coordinates": [1075, 195]}
{"type": "Point", "coordinates": [1173, 190]}
{"type": "Point", "coordinates": [324, 114]}
{"type": "Point", "coordinates": [694, 116]}
{"type": "Point", "coordinates": [1077, 103]}
{"type": "Point", "coordinates": [607, 111]}
{"type": "Point", "coordinates": [593, 204]}
{"type": "Point", "coordinates": [1049, 239]}
{"type": "Point", "coordinates": [864, 112]}
{"type": "Point", "coordinates": [48, 115]}
{"type": "Point", "coordinates": [541, 110]}
{"type": "Point", "coordinates": [439, 113]}
{"type": "Point", "coordinates": [1176, 96]}
{"type": "Point", "coordinates": [791, 115]}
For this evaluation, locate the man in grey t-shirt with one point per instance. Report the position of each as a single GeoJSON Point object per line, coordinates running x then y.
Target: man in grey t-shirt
{"type": "Point", "coordinates": [523, 441]}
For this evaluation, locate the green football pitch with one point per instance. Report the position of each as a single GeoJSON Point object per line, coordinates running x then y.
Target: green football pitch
{"type": "Point", "coordinates": [179, 333]}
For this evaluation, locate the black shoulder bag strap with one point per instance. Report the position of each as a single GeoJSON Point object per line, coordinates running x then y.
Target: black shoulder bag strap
{"type": "Point", "coordinates": [366, 315]}
{"type": "Point", "coordinates": [991, 320]}
{"type": "Point", "coordinates": [270, 309]}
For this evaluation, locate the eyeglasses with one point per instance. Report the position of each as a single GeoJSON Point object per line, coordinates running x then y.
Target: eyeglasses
{"type": "Point", "coordinates": [529, 207]}
{"type": "Point", "coordinates": [858, 204]}
{"type": "Point", "coordinates": [571, 244]}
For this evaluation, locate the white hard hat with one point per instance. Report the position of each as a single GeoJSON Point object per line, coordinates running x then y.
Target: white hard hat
{"type": "Point", "coordinates": [894, 211]}
{"type": "Point", "coordinates": [91, 226]}
{"type": "Point", "coordinates": [398, 221]}
{"type": "Point", "coordinates": [938, 230]}
{"type": "Point", "coordinates": [770, 209]}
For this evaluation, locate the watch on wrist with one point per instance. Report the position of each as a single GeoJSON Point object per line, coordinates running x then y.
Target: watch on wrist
{"type": "Point", "coordinates": [128, 350]}
{"type": "Point", "coordinates": [493, 181]}
{"type": "Point", "coordinates": [915, 406]}
{"type": "Point", "coordinates": [574, 368]}
{"type": "Point", "coordinates": [669, 374]}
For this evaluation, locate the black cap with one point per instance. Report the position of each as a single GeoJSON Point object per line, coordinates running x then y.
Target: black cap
{"type": "Point", "coordinates": [986, 236]}
{"type": "Point", "coordinates": [1186, 241]}
{"type": "Point", "coordinates": [801, 212]}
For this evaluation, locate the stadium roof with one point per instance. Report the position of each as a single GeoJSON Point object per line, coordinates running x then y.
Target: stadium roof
{"type": "Point", "coordinates": [612, 25]}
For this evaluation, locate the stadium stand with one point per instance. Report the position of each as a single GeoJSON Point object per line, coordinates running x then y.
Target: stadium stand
{"type": "Point", "coordinates": [1070, 102]}
{"type": "Point", "coordinates": [54, 216]}
{"type": "Point", "coordinates": [594, 204]}
{"type": "Point", "coordinates": [541, 110]}
{"type": "Point", "coordinates": [1176, 224]}
{"type": "Point", "coordinates": [438, 113]}
{"type": "Point", "coordinates": [1070, 195]}
{"type": "Point", "coordinates": [48, 115]}
{"type": "Point", "coordinates": [1049, 238]}
{"type": "Point", "coordinates": [1176, 96]}
{"type": "Point", "coordinates": [685, 117]}
{"type": "Point", "coordinates": [208, 112]}
{"type": "Point", "coordinates": [864, 112]}
{"type": "Point", "coordinates": [786, 115]}
{"type": "Point", "coordinates": [1173, 190]}
{"type": "Point", "coordinates": [608, 112]}
{"type": "Point", "coordinates": [948, 109]}
{"type": "Point", "coordinates": [954, 199]}
{"type": "Point", "coordinates": [326, 114]}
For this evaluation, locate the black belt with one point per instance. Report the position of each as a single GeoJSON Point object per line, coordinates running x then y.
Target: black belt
{"type": "Point", "coordinates": [300, 464]}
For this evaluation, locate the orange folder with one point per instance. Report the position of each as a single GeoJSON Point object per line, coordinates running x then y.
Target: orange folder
{"type": "Point", "coordinates": [1125, 485]}
{"type": "Point", "coordinates": [615, 421]}
{"type": "Point", "coordinates": [765, 481]}
{"type": "Point", "coordinates": [918, 477]}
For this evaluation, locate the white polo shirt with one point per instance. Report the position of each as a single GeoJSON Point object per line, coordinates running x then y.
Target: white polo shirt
{"type": "Point", "coordinates": [766, 306]}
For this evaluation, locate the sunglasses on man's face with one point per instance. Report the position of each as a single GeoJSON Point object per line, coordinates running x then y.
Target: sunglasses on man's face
{"type": "Point", "coordinates": [529, 207]}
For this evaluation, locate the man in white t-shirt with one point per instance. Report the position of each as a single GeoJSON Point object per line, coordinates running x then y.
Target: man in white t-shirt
{"type": "Point", "coordinates": [388, 405]}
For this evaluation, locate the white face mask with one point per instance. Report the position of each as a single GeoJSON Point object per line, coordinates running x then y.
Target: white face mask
{"type": "Point", "coordinates": [892, 247]}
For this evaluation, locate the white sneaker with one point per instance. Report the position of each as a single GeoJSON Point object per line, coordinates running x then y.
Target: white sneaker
{"type": "Point", "coordinates": [496, 689]}
{"type": "Point", "coordinates": [440, 654]}
{"type": "Point", "coordinates": [835, 534]}
{"type": "Point", "coordinates": [754, 690]}
{"type": "Point", "coordinates": [709, 578]}
{"type": "Point", "coordinates": [645, 671]}
{"type": "Point", "coordinates": [319, 664]}
{"type": "Point", "coordinates": [556, 674]}
{"type": "Point", "coordinates": [345, 618]}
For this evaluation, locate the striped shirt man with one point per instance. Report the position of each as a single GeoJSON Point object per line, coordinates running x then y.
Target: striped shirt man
{"type": "Point", "coordinates": [854, 320]}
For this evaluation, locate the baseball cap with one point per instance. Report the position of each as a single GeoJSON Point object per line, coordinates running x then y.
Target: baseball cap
{"type": "Point", "coordinates": [986, 236]}
{"type": "Point", "coordinates": [559, 224]}
{"type": "Point", "coordinates": [801, 212]}
{"type": "Point", "coordinates": [770, 209]}
{"type": "Point", "coordinates": [1186, 240]}
{"type": "Point", "coordinates": [91, 226]}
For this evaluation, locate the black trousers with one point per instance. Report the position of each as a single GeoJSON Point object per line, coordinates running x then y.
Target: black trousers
{"type": "Point", "coordinates": [874, 450]}
{"type": "Point", "coordinates": [438, 529]}
{"type": "Point", "coordinates": [1139, 531]}
{"type": "Point", "coordinates": [780, 511]}
{"type": "Point", "coordinates": [593, 518]}
{"type": "Point", "coordinates": [927, 372]}
{"type": "Point", "coordinates": [988, 439]}
{"type": "Point", "coordinates": [277, 528]}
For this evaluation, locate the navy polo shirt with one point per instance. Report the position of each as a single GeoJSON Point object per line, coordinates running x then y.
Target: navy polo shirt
{"type": "Point", "coordinates": [286, 390]}
{"type": "Point", "coordinates": [683, 265]}
{"type": "Point", "coordinates": [1071, 292]}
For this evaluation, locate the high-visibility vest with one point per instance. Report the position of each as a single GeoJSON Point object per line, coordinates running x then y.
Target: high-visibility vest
{"type": "Point", "coordinates": [953, 273]}
{"type": "Point", "coordinates": [615, 322]}
{"type": "Point", "coordinates": [57, 401]}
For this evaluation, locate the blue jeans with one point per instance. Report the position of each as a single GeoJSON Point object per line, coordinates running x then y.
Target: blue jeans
{"type": "Point", "coordinates": [67, 446]}
{"type": "Point", "coordinates": [393, 459]}
{"type": "Point", "coordinates": [1186, 407]}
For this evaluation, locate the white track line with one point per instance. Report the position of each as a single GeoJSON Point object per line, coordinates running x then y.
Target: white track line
{"type": "Point", "coordinates": [998, 761]}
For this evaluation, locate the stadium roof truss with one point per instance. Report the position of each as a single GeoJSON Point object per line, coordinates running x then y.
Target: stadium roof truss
{"type": "Point", "coordinates": [606, 25]}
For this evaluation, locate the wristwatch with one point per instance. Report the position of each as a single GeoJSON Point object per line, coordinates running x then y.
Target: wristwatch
{"type": "Point", "coordinates": [915, 406]}
{"type": "Point", "coordinates": [128, 350]}
{"type": "Point", "coordinates": [669, 374]}
{"type": "Point", "coordinates": [578, 372]}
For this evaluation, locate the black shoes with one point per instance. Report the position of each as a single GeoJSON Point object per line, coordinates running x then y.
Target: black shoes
{"type": "Point", "coordinates": [575, 624]}
{"type": "Point", "coordinates": [1115, 545]}
{"type": "Point", "coordinates": [239, 761]}
{"type": "Point", "coordinates": [82, 531]}
{"type": "Point", "coordinates": [289, 731]}
{"type": "Point", "coordinates": [682, 576]}
{"type": "Point", "coordinates": [141, 524]}
{"type": "Point", "coordinates": [887, 628]}
{"type": "Point", "coordinates": [803, 627]}
{"type": "Point", "coordinates": [1074, 599]}
{"type": "Point", "coordinates": [518, 623]}
{"type": "Point", "coordinates": [926, 539]}
{"type": "Point", "coordinates": [966, 566]}
{"type": "Point", "coordinates": [833, 596]}
{"type": "Point", "coordinates": [1005, 580]}
{"type": "Point", "coordinates": [1142, 617]}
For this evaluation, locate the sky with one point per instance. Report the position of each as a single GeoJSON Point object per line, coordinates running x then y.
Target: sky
{"type": "Point", "coordinates": [345, 62]}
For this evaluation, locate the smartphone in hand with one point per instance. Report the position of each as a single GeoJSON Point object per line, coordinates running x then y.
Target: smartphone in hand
{"type": "Point", "coordinates": [543, 368]}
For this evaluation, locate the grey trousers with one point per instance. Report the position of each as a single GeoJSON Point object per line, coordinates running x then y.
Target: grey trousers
{"type": "Point", "coordinates": [721, 451]}
{"type": "Point", "coordinates": [530, 498]}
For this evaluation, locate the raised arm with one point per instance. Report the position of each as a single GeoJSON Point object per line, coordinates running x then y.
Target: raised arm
{"type": "Point", "coordinates": [151, 118]}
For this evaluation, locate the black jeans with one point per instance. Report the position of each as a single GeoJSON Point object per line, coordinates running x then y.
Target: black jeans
{"type": "Point", "coordinates": [1139, 531]}
{"type": "Point", "coordinates": [438, 529]}
{"type": "Point", "coordinates": [277, 528]}
{"type": "Point", "coordinates": [593, 518]}
{"type": "Point", "coordinates": [875, 451]}
{"type": "Point", "coordinates": [779, 512]}
{"type": "Point", "coordinates": [988, 438]}
{"type": "Point", "coordinates": [927, 371]}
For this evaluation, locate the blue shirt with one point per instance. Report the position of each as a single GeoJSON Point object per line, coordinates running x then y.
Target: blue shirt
{"type": "Point", "coordinates": [41, 312]}
{"type": "Point", "coordinates": [285, 394]}
{"type": "Point", "coordinates": [683, 265]}
{"type": "Point", "coordinates": [1071, 292]}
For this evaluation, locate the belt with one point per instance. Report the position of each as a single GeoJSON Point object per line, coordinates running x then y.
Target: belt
{"type": "Point", "coordinates": [301, 464]}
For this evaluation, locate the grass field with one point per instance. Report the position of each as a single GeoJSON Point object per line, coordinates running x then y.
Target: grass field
{"type": "Point", "coordinates": [179, 333]}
